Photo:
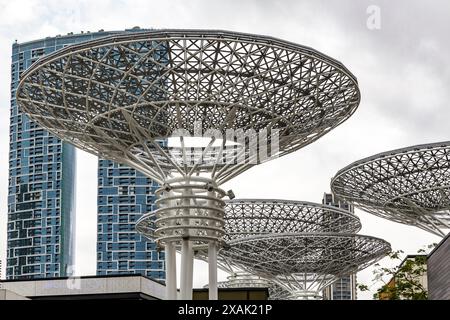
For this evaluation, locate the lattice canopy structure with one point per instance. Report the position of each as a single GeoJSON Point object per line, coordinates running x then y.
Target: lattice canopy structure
{"type": "Point", "coordinates": [409, 186]}
{"type": "Point", "coordinates": [246, 280]}
{"type": "Point", "coordinates": [249, 218]}
{"type": "Point", "coordinates": [119, 96]}
{"type": "Point", "coordinates": [245, 218]}
{"type": "Point", "coordinates": [191, 109]}
{"type": "Point", "coordinates": [305, 263]}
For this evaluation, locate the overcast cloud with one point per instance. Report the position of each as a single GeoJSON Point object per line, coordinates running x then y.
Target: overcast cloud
{"type": "Point", "coordinates": [402, 68]}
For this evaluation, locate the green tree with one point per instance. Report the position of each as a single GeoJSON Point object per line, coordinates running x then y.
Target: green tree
{"type": "Point", "coordinates": [404, 279]}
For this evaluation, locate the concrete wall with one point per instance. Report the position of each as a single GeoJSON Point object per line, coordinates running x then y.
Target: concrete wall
{"type": "Point", "coordinates": [86, 286]}
{"type": "Point", "coordinates": [9, 295]}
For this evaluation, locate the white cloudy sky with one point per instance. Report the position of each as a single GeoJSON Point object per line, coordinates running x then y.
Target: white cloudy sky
{"type": "Point", "coordinates": [403, 71]}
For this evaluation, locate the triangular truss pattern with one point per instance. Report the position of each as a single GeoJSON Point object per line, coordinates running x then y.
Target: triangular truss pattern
{"type": "Point", "coordinates": [313, 244]}
{"type": "Point", "coordinates": [248, 217]}
{"type": "Point", "coordinates": [409, 185]}
{"type": "Point", "coordinates": [305, 263]}
{"type": "Point", "coordinates": [118, 96]}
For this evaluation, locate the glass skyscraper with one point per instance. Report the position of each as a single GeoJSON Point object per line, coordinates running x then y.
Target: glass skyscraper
{"type": "Point", "coordinates": [124, 194]}
{"type": "Point", "coordinates": [42, 187]}
{"type": "Point", "coordinates": [344, 288]}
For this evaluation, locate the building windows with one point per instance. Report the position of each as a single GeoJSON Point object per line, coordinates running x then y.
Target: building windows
{"type": "Point", "coordinates": [123, 190]}
{"type": "Point", "coordinates": [35, 53]}
{"type": "Point", "coordinates": [125, 200]}
{"type": "Point", "coordinates": [35, 186]}
{"type": "Point", "coordinates": [33, 197]}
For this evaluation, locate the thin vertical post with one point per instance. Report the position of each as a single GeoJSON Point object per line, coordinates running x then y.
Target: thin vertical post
{"type": "Point", "coordinates": [212, 265]}
{"type": "Point", "coordinates": [184, 270]}
{"type": "Point", "coordinates": [190, 271]}
{"type": "Point", "coordinates": [171, 272]}
{"type": "Point", "coordinates": [187, 253]}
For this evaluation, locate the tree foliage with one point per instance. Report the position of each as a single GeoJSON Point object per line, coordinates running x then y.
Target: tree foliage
{"type": "Point", "coordinates": [404, 279]}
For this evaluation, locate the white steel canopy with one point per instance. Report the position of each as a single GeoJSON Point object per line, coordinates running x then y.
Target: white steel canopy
{"type": "Point", "coordinates": [119, 96]}
{"type": "Point", "coordinates": [305, 263]}
{"type": "Point", "coordinates": [250, 219]}
{"type": "Point", "coordinates": [409, 185]}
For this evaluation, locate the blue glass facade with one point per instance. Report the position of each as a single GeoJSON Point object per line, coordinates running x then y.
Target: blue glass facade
{"type": "Point", "coordinates": [124, 194]}
{"type": "Point", "coordinates": [41, 194]}
{"type": "Point", "coordinates": [41, 185]}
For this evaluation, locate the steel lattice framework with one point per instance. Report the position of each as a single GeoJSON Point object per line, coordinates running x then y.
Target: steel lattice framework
{"type": "Point", "coordinates": [247, 217]}
{"type": "Point", "coordinates": [137, 98]}
{"type": "Point", "coordinates": [305, 263]}
{"type": "Point", "coordinates": [118, 96]}
{"type": "Point", "coordinates": [409, 185]}
{"type": "Point", "coordinates": [246, 280]}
